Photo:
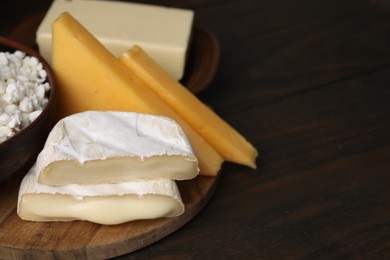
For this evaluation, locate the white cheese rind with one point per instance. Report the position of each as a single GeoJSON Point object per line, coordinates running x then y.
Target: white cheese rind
{"type": "Point", "coordinates": [107, 204]}
{"type": "Point", "coordinates": [98, 147]}
{"type": "Point", "coordinates": [163, 32]}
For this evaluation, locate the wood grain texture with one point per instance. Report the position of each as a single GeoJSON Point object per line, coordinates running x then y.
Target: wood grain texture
{"type": "Point", "coordinates": [307, 82]}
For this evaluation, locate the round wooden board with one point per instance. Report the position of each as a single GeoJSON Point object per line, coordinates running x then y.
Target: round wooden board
{"type": "Point", "coordinates": [80, 239]}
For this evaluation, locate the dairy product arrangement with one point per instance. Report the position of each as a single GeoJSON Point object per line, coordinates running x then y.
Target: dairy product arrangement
{"type": "Point", "coordinates": [89, 77]}
{"type": "Point", "coordinates": [127, 129]}
{"type": "Point", "coordinates": [113, 192]}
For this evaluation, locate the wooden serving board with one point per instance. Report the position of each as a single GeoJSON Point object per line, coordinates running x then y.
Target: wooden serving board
{"type": "Point", "coordinates": [79, 239]}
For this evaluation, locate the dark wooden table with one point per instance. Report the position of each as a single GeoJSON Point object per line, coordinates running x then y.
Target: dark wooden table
{"type": "Point", "coordinates": [308, 83]}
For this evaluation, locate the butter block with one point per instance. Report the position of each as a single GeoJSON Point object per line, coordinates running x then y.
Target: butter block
{"type": "Point", "coordinates": [164, 32]}
{"type": "Point", "coordinates": [107, 204]}
{"type": "Point", "coordinates": [105, 147]}
{"type": "Point", "coordinates": [225, 139]}
{"type": "Point", "coordinates": [89, 77]}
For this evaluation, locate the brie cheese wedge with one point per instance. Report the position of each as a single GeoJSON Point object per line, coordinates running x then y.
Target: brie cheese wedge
{"type": "Point", "coordinates": [107, 204]}
{"type": "Point", "coordinates": [97, 147]}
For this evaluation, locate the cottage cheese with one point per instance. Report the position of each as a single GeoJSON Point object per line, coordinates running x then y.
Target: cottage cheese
{"type": "Point", "coordinates": [23, 89]}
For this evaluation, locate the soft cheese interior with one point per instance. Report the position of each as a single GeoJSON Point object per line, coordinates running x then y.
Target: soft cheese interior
{"type": "Point", "coordinates": [105, 147]}
{"type": "Point", "coordinates": [107, 204]}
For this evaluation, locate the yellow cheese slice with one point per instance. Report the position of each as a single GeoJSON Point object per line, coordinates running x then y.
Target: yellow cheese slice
{"type": "Point", "coordinates": [164, 32]}
{"type": "Point", "coordinates": [224, 138]}
{"type": "Point", "coordinates": [89, 77]}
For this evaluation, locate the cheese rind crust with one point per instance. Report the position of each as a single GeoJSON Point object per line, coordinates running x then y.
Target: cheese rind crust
{"type": "Point", "coordinates": [101, 147]}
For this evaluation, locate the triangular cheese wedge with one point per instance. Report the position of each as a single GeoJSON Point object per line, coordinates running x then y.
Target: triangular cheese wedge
{"type": "Point", "coordinates": [89, 77]}
{"type": "Point", "coordinates": [224, 138]}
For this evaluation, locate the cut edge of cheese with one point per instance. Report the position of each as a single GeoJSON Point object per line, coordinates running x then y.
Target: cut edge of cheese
{"type": "Point", "coordinates": [110, 146]}
{"type": "Point", "coordinates": [107, 204]}
{"type": "Point", "coordinates": [224, 138]}
{"type": "Point", "coordinates": [89, 77]}
{"type": "Point", "coordinates": [115, 170]}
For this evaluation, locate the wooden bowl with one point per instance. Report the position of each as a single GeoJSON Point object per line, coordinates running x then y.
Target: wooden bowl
{"type": "Point", "coordinates": [20, 151]}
